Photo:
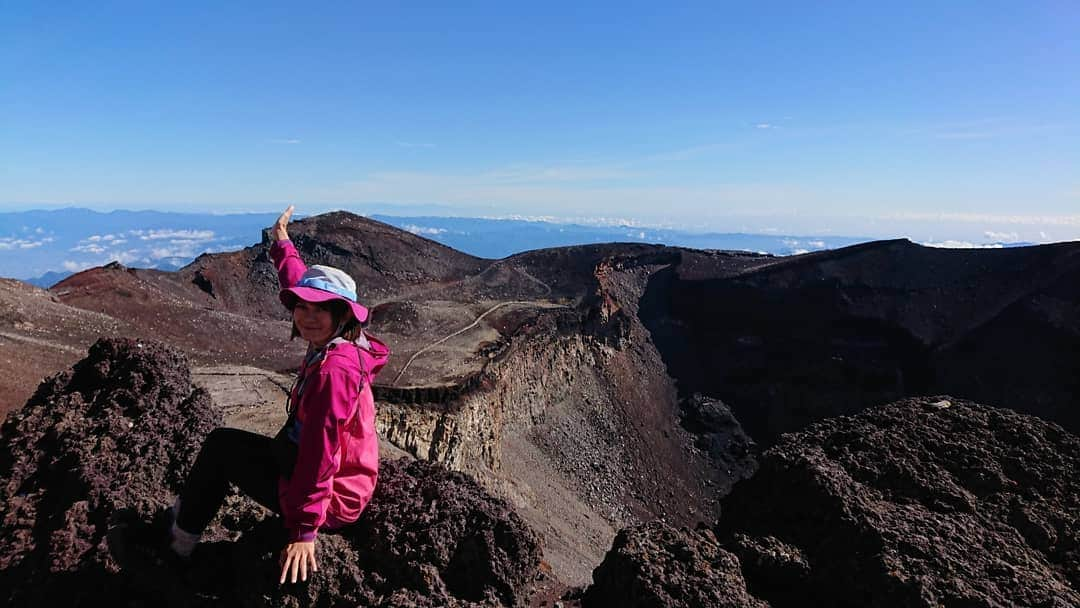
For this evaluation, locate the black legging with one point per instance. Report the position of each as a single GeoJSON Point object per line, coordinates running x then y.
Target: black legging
{"type": "Point", "coordinates": [229, 456]}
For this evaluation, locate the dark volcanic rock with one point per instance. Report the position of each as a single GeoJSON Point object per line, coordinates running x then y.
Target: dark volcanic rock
{"type": "Point", "coordinates": [654, 565]}
{"type": "Point", "coordinates": [88, 464]}
{"type": "Point", "coordinates": [924, 502]}
{"type": "Point", "coordinates": [430, 537]}
{"type": "Point", "coordinates": [114, 436]}
{"type": "Point", "coordinates": [798, 339]}
{"type": "Point", "coordinates": [437, 532]}
{"type": "Point", "coordinates": [720, 436]}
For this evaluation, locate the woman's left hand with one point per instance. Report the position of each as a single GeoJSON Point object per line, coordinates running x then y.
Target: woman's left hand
{"type": "Point", "coordinates": [281, 226]}
{"type": "Point", "coordinates": [297, 557]}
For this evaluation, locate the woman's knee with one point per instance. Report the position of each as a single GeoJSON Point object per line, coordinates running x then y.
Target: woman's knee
{"type": "Point", "coordinates": [219, 442]}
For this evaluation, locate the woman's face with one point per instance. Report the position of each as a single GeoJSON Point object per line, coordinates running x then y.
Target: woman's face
{"type": "Point", "coordinates": [315, 323]}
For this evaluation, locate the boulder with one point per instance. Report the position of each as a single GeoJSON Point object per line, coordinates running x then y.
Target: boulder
{"type": "Point", "coordinates": [655, 565]}
{"type": "Point", "coordinates": [110, 439]}
{"type": "Point", "coordinates": [922, 502]}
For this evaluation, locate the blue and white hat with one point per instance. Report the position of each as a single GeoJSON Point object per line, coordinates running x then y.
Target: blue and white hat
{"type": "Point", "coordinates": [324, 283]}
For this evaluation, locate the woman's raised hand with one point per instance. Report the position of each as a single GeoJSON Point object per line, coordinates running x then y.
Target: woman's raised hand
{"type": "Point", "coordinates": [281, 232]}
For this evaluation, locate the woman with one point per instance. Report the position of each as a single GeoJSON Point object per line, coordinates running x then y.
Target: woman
{"type": "Point", "coordinates": [320, 470]}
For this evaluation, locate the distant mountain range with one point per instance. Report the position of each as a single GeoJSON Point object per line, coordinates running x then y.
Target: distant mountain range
{"type": "Point", "coordinates": [47, 246]}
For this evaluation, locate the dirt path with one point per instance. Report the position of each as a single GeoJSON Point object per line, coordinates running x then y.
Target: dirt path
{"type": "Point", "coordinates": [547, 288]}
{"type": "Point", "coordinates": [41, 342]}
{"type": "Point", "coordinates": [465, 329]}
{"type": "Point", "coordinates": [420, 291]}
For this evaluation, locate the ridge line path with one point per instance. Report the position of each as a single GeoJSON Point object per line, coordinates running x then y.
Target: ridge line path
{"type": "Point", "coordinates": [421, 290]}
{"type": "Point", "coordinates": [475, 322]}
{"type": "Point", "coordinates": [42, 342]}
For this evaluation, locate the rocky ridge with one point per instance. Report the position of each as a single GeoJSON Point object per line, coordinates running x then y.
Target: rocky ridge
{"type": "Point", "coordinates": [788, 341]}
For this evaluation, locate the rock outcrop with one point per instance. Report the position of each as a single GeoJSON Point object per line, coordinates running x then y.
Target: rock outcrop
{"type": "Point", "coordinates": [657, 566]}
{"type": "Point", "coordinates": [720, 435]}
{"type": "Point", "coordinates": [87, 465]}
{"type": "Point", "coordinates": [923, 502]}
{"type": "Point", "coordinates": [111, 437]}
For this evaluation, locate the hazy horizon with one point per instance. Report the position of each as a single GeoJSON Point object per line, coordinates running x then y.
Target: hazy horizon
{"type": "Point", "coordinates": [943, 228]}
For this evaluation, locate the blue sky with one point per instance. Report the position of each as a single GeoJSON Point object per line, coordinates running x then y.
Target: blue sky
{"type": "Point", "coordinates": [960, 118]}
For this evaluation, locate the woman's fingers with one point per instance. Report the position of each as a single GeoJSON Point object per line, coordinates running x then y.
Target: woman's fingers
{"type": "Point", "coordinates": [296, 561]}
{"type": "Point", "coordinates": [284, 218]}
{"type": "Point", "coordinates": [284, 569]}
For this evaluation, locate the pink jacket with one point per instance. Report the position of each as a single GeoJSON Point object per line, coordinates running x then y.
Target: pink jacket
{"type": "Point", "coordinates": [338, 460]}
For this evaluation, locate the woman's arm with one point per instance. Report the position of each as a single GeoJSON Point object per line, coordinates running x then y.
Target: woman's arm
{"type": "Point", "coordinates": [329, 400]}
{"type": "Point", "coordinates": [286, 259]}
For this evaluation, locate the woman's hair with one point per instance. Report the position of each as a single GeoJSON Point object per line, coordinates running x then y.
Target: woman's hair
{"type": "Point", "coordinates": [338, 311]}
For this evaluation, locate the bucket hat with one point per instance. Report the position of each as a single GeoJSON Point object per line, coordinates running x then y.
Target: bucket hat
{"type": "Point", "coordinates": [324, 283]}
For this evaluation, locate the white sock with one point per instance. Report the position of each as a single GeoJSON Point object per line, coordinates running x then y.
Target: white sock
{"type": "Point", "coordinates": [183, 542]}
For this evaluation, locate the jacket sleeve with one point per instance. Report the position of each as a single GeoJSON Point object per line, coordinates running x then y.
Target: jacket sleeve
{"type": "Point", "coordinates": [288, 263]}
{"type": "Point", "coordinates": [328, 402]}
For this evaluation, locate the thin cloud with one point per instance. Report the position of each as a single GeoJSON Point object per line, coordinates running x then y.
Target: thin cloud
{"type": "Point", "coordinates": [800, 246]}
{"type": "Point", "coordinates": [102, 237]}
{"type": "Point", "coordinates": [1029, 220]}
{"type": "Point", "coordinates": [950, 244]}
{"type": "Point", "coordinates": [764, 125]}
{"type": "Point", "coordinates": [581, 220]}
{"type": "Point", "coordinates": [1003, 237]}
{"type": "Point", "coordinates": [192, 235]}
{"type": "Point", "coordinates": [8, 243]}
{"type": "Point", "coordinates": [409, 144]}
{"type": "Point", "coordinates": [88, 248]}
{"type": "Point", "coordinates": [124, 257]}
{"type": "Point", "coordinates": [288, 142]}
{"type": "Point", "coordinates": [184, 249]}
{"type": "Point", "coordinates": [421, 230]}
{"type": "Point", "coordinates": [73, 266]}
